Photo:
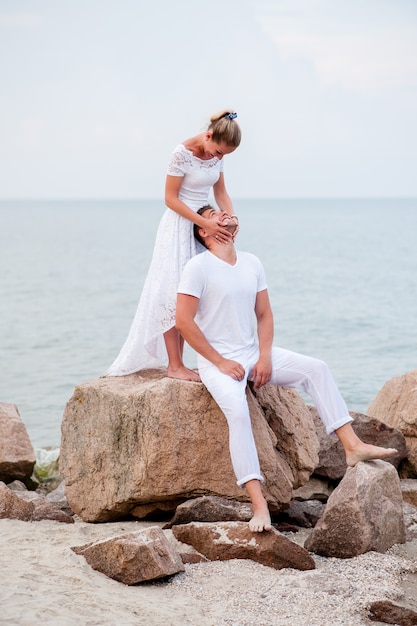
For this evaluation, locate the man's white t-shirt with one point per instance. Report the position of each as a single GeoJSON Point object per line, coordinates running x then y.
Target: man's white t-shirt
{"type": "Point", "coordinates": [227, 294]}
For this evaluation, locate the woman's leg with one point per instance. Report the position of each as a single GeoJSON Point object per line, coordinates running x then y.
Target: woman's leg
{"type": "Point", "coordinates": [174, 343]}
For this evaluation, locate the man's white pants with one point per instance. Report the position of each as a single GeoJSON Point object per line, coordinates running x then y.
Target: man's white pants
{"type": "Point", "coordinates": [289, 369]}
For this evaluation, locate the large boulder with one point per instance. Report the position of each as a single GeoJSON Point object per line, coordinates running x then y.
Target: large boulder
{"type": "Point", "coordinates": [396, 404]}
{"type": "Point", "coordinates": [17, 456]}
{"type": "Point", "coordinates": [134, 441]}
{"type": "Point", "coordinates": [363, 513]}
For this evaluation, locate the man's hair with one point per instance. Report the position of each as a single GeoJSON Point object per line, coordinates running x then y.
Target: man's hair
{"type": "Point", "coordinates": [197, 228]}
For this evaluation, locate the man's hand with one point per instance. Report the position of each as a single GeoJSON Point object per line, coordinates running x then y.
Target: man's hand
{"type": "Point", "coordinates": [232, 368]}
{"type": "Point", "coordinates": [261, 373]}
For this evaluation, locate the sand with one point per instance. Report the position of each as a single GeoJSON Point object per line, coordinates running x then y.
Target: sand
{"type": "Point", "coordinates": [44, 582]}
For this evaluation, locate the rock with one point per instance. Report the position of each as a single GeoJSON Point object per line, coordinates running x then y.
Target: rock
{"type": "Point", "coordinates": [332, 463]}
{"type": "Point", "coordinates": [190, 558]}
{"type": "Point", "coordinates": [305, 514]}
{"type": "Point", "coordinates": [58, 499]}
{"type": "Point", "coordinates": [133, 557]}
{"type": "Point", "coordinates": [28, 506]}
{"type": "Point", "coordinates": [144, 439]}
{"type": "Point", "coordinates": [155, 510]}
{"type": "Point", "coordinates": [410, 521]}
{"type": "Point", "coordinates": [389, 613]}
{"type": "Point", "coordinates": [289, 418]}
{"type": "Point", "coordinates": [44, 509]}
{"type": "Point", "coordinates": [409, 490]}
{"type": "Point", "coordinates": [17, 485]}
{"type": "Point", "coordinates": [17, 456]}
{"type": "Point", "coordinates": [233, 540]}
{"type": "Point", "coordinates": [13, 507]}
{"type": "Point", "coordinates": [396, 405]}
{"type": "Point", "coordinates": [315, 489]}
{"type": "Point", "coordinates": [211, 509]}
{"type": "Point", "coordinates": [363, 513]}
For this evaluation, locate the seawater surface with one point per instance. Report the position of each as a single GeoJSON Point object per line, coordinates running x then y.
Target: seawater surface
{"type": "Point", "coordinates": [342, 276]}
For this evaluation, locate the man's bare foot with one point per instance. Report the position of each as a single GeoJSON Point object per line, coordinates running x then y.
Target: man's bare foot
{"type": "Point", "coordinates": [260, 522]}
{"type": "Point", "coordinates": [183, 373]}
{"type": "Point", "coordinates": [368, 452]}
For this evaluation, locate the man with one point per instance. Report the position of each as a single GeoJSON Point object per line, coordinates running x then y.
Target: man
{"type": "Point", "coordinates": [223, 312]}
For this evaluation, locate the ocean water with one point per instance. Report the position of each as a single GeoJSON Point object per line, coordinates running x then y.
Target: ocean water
{"type": "Point", "coordinates": [342, 276]}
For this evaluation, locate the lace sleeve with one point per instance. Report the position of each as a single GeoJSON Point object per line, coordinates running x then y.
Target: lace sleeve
{"type": "Point", "coordinates": [179, 163]}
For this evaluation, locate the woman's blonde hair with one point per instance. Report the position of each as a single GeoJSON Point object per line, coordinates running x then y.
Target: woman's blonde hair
{"type": "Point", "coordinates": [224, 128]}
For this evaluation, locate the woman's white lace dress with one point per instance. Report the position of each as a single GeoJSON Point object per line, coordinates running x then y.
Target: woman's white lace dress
{"type": "Point", "coordinates": [174, 246]}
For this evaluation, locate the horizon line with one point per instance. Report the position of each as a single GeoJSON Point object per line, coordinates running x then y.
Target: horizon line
{"type": "Point", "coordinates": [137, 198]}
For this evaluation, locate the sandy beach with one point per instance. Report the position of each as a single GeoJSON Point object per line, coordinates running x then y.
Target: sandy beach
{"type": "Point", "coordinates": [44, 581]}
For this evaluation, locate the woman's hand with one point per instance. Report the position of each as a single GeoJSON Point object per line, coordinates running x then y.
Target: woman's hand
{"type": "Point", "coordinates": [217, 230]}
{"type": "Point", "coordinates": [236, 221]}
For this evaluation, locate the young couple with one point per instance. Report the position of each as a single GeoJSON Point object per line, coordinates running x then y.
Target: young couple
{"type": "Point", "coordinates": [222, 310]}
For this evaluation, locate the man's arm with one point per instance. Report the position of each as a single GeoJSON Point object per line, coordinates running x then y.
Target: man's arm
{"type": "Point", "coordinates": [262, 370]}
{"type": "Point", "coordinates": [186, 325]}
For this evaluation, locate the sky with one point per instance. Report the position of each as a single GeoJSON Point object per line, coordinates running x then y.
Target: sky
{"type": "Point", "coordinates": [95, 94]}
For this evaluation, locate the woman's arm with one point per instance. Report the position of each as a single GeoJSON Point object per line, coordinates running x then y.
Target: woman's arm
{"type": "Point", "coordinates": [172, 200]}
{"type": "Point", "coordinates": [224, 201]}
{"type": "Point", "coordinates": [221, 196]}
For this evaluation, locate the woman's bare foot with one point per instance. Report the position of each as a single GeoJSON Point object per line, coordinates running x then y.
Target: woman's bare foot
{"type": "Point", "coordinates": [368, 452]}
{"type": "Point", "coordinates": [183, 373]}
{"type": "Point", "coordinates": [260, 522]}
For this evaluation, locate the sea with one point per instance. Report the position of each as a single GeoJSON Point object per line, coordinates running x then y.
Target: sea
{"type": "Point", "coordinates": [341, 272]}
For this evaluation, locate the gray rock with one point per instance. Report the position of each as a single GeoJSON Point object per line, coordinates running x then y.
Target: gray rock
{"type": "Point", "coordinates": [363, 513]}
{"type": "Point", "coordinates": [28, 506]}
{"type": "Point", "coordinates": [396, 405]}
{"type": "Point", "coordinates": [58, 498]}
{"type": "Point", "coordinates": [43, 509]}
{"type": "Point", "coordinates": [211, 509]}
{"type": "Point", "coordinates": [409, 490]}
{"type": "Point", "coordinates": [133, 557]}
{"type": "Point", "coordinates": [303, 513]}
{"type": "Point", "coordinates": [410, 521]}
{"type": "Point", "coordinates": [315, 489]}
{"type": "Point", "coordinates": [13, 507]}
{"type": "Point", "coordinates": [17, 456]}
{"type": "Point", "coordinates": [390, 613]}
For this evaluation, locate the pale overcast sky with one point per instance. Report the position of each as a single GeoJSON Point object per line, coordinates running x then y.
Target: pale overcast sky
{"type": "Point", "coordinates": [95, 94]}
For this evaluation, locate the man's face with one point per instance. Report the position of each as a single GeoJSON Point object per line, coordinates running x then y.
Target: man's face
{"type": "Point", "coordinates": [223, 217]}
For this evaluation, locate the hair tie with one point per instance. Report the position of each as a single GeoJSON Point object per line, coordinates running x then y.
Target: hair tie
{"type": "Point", "coordinates": [230, 116]}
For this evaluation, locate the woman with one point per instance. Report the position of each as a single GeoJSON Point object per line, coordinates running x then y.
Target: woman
{"type": "Point", "coordinates": [196, 167]}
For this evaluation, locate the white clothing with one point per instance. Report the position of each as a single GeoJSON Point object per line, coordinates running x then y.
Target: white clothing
{"type": "Point", "coordinates": [227, 295]}
{"type": "Point", "coordinates": [174, 246]}
{"type": "Point", "coordinates": [289, 369]}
